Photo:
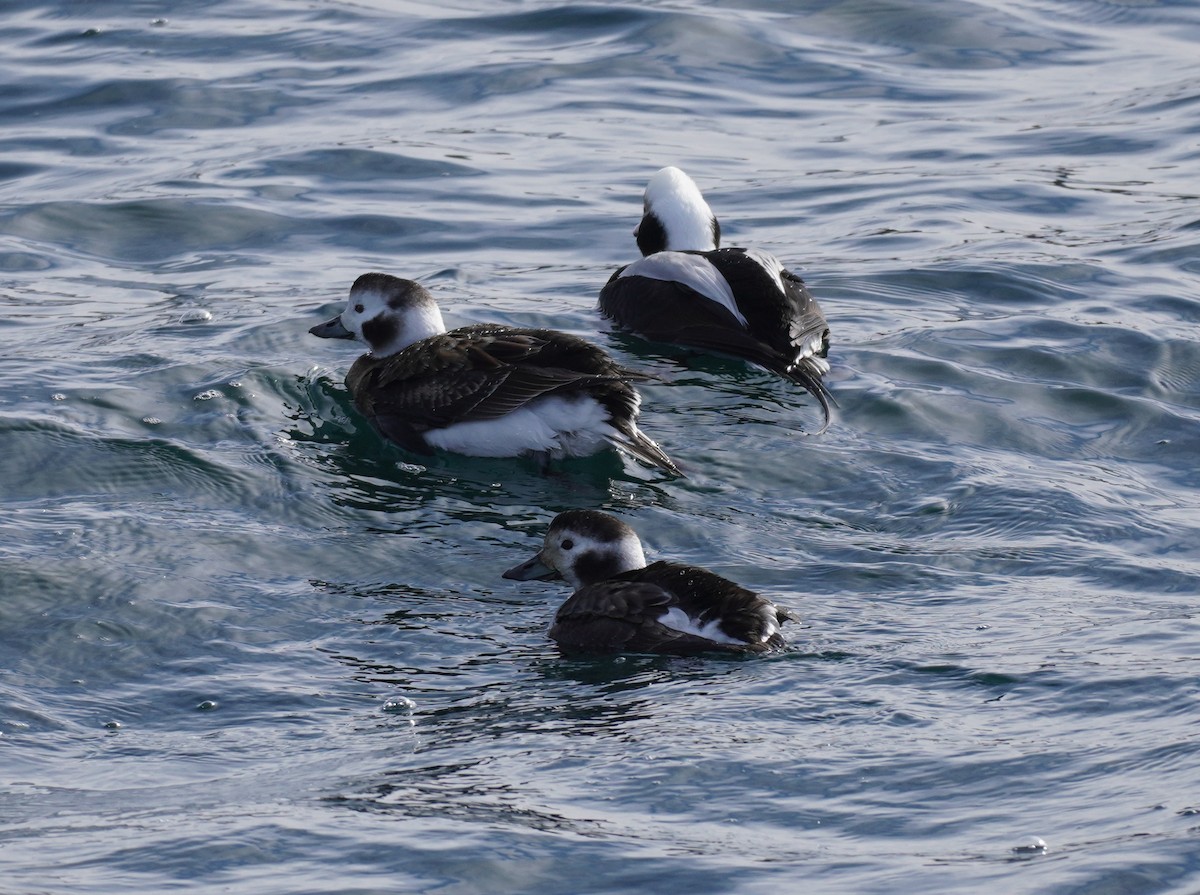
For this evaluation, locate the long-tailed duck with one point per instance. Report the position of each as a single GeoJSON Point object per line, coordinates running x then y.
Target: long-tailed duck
{"type": "Point", "coordinates": [485, 390]}
{"type": "Point", "coordinates": [740, 302]}
{"type": "Point", "coordinates": [621, 604]}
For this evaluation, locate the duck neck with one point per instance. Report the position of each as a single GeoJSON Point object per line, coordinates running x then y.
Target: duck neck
{"type": "Point", "coordinates": [600, 565]}
{"type": "Point", "coordinates": [389, 335]}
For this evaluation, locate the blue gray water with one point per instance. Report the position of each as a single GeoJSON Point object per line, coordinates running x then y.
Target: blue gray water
{"type": "Point", "coordinates": [248, 648]}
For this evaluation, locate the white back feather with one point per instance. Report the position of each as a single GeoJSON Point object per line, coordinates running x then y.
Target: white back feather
{"type": "Point", "coordinates": [691, 270]}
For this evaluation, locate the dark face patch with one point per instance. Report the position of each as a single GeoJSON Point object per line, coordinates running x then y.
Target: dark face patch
{"type": "Point", "coordinates": [379, 331]}
{"type": "Point", "coordinates": [593, 567]}
{"type": "Point", "coordinates": [651, 237]}
{"type": "Point", "coordinates": [398, 297]}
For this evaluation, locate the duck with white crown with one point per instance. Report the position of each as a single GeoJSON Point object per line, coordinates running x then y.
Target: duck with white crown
{"type": "Point", "coordinates": [621, 604]}
{"type": "Point", "coordinates": [741, 302]}
{"type": "Point", "coordinates": [485, 390]}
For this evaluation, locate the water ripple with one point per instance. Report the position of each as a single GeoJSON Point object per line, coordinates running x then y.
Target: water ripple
{"type": "Point", "coordinates": [283, 647]}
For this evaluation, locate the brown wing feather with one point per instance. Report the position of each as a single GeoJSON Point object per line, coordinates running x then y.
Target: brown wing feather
{"type": "Point", "coordinates": [480, 372]}
{"type": "Point", "coordinates": [605, 617]}
{"type": "Point", "coordinates": [621, 613]}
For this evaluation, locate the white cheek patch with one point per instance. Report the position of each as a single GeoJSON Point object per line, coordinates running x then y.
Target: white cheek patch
{"type": "Point", "coordinates": [693, 271]}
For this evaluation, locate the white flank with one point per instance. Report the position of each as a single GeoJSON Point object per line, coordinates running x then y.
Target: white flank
{"type": "Point", "coordinates": [694, 271]}
{"type": "Point", "coordinates": [561, 427]}
{"type": "Point", "coordinates": [679, 620]}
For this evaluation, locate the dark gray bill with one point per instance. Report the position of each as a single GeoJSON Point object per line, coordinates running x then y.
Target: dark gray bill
{"type": "Point", "coordinates": [332, 329]}
{"type": "Point", "coordinates": [533, 568]}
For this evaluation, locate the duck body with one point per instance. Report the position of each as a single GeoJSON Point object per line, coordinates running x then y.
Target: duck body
{"type": "Point", "coordinates": [667, 607]}
{"type": "Point", "coordinates": [620, 604]}
{"type": "Point", "coordinates": [485, 390]}
{"type": "Point", "coordinates": [734, 301]}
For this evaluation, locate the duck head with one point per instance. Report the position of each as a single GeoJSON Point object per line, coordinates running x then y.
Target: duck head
{"type": "Point", "coordinates": [385, 312]}
{"type": "Point", "coordinates": [583, 547]}
{"type": "Point", "coordinates": [675, 217]}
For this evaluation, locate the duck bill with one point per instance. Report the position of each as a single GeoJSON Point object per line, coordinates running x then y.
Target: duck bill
{"type": "Point", "coordinates": [533, 569]}
{"type": "Point", "coordinates": [332, 329]}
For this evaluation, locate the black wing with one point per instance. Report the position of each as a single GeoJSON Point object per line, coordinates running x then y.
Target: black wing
{"type": "Point", "coordinates": [621, 616]}
{"type": "Point", "coordinates": [707, 597]}
{"type": "Point", "coordinates": [785, 328]}
{"type": "Point", "coordinates": [777, 305]}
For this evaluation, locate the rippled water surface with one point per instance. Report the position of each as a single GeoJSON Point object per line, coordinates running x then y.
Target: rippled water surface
{"type": "Point", "coordinates": [249, 648]}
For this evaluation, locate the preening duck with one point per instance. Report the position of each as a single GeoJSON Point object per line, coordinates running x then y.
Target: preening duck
{"type": "Point", "coordinates": [621, 604]}
{"type": "Point", "coordinates": [741, 302]}
{"type": "Point", "coordinates": [485, 390]}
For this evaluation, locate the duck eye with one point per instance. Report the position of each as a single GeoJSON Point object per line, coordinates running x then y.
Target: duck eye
{"type": "Point", "coordinates": [358, 309]}
{"type": "Point", "coordinates": [567, 544]}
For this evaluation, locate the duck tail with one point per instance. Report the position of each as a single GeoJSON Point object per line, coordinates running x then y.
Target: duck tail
{"type": "Point", "coordinates": [804, 374]}
{"type": "Point", "coordinates": [631, 440]}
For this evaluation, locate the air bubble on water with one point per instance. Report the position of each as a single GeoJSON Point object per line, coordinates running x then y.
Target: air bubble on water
{"type": "Point", "coordinates": [151, 420]}
{"type": "Point", "coordinates": [58, 396]}
{"type": "Point", "coordinates": [208, 395]}
{"type": "Point", "coordinates": [1033, 845]}
{"type": "Point", "coordinates": [112, 725]}
{"type": "Point", "coordinates": [207, 705]}
{"type": "Point", "coordinates": [401, 705]}
{"type": "Point", "coordinates": [196, 315]}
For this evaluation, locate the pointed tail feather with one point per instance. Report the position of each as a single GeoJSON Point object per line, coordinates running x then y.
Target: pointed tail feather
{"type": "Point", "coordinates": [802, 374]}
{"type": "Point", "coordinates": [638, 446]}
{"type": "Point", "coordinates": [807, 371]}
